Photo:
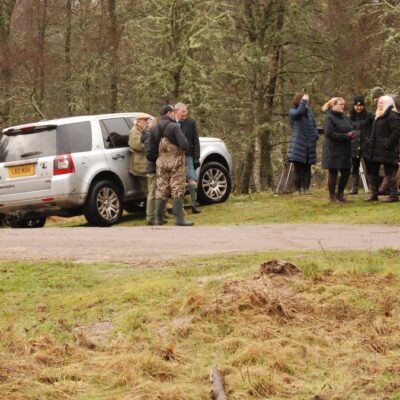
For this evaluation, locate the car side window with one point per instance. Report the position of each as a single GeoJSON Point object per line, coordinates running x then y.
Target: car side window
{"type": "Point", "coordinates": [130, 121]}
{"type": "Point", "coordinates": [74, 138]}
{"type": "Point", "coordinates": [115, 132]}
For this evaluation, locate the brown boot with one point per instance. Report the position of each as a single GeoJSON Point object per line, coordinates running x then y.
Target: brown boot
{"type": "Point", "coordinates": [340, 198]}
{"type": "Point", "coordinates": [393, 196]}
{"type": "Point", "coordinates": [374, 186]}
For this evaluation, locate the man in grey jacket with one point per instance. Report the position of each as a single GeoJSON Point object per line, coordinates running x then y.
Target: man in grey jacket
{"type": "Point", "coordinates": [189, 129]}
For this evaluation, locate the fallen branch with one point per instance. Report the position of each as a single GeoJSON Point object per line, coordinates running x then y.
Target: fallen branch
{"type": "Point", "coordinates": [218, 390]}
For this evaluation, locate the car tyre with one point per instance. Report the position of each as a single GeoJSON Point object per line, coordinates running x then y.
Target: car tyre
{"type": "Point", "coordinates": [104, 204]}
{"type": "Point", "coordinates": [214, 184]}
{"type": "Point", "coordinates": [28, 222]}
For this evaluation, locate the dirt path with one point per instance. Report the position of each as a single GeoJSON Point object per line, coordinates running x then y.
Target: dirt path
{"type": "Point", "coordinates": [121, 244]}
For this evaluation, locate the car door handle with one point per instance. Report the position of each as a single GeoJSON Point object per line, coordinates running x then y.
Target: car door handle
{"type": "Point", "coordinates": [117, 156]}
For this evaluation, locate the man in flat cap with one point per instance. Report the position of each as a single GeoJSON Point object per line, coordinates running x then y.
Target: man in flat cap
{"type": "Point", "coordinates": [138, 162]}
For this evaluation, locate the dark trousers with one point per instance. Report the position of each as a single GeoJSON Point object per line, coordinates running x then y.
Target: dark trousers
{"type": "Point", "coordinates": [332, 180]}
{"type": "Point", "coordinates": [390, 170]}
{"type": "Point", "coordinates": [302, 175]}
{"type": "Point", "coordinates": [355, 166]}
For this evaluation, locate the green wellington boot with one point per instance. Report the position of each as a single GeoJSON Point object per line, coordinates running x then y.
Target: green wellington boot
{"type": "Point", "coordinates": [193, 196]}
{"type": "Point", "coordinates": [177, 209]}
{"type": "Point", "coordinates": [159, 212]}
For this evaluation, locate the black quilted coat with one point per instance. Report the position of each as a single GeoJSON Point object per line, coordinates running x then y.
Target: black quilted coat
{"type": "Point", "coordinates": [362, 124]}
{"type": "Point", "coordinates": [337, 145]}
{"type": "Point", "coordinates": [384, 140]}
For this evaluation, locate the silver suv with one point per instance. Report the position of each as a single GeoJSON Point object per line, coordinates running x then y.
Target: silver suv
{"type": "Point", "coordinates": [80, 165]}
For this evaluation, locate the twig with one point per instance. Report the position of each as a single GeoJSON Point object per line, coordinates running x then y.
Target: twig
{"type": "Point", "coordinates": [218, 390]}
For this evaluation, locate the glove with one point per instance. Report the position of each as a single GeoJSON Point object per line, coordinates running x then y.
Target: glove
{"type": "Point", "coordinates": [196, 163]}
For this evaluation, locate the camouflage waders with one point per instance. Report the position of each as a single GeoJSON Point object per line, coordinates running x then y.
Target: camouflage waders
{"type": "Point", "coordinates": [171, 171]}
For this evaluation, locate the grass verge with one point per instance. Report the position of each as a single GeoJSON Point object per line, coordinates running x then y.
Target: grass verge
{"type": "Point", "coordinates": [267, 208]}
{"type": "Point", "coordinates": [153, 330]}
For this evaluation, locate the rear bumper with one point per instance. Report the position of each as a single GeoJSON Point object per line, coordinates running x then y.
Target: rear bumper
{"type": "Point", "coordinates": [65, 192]}
{"type": "Point", "coordinates": [48, 205]}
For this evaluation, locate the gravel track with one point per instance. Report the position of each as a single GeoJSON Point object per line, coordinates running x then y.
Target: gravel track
{"type": "Point", "coordinates": [125, 244]}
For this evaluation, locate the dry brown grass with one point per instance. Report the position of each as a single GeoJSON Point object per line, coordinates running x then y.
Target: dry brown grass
{"type": "Point", "coordinates": [331, 334]}
{"type": "Point", "coordinates": [334, 335]}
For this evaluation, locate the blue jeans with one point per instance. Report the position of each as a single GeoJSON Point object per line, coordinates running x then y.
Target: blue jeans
{"type": "Point", "coordinates": [190, 173]}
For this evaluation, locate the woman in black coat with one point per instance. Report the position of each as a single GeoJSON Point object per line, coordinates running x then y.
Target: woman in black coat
{"type": "Point", "coordinates": [303, 141]}
{"type": "Point", "coordinates": [383, 147]}
{"type": "Point", "coordinates": [362, 121]}
{"type": "Point", "coordinates": [336, 155]}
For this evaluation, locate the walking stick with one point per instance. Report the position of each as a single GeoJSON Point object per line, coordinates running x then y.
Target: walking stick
{"type": "Point", "coordinates": [287, 177]}
{"type": "Point", "coordinates": [363, 177]}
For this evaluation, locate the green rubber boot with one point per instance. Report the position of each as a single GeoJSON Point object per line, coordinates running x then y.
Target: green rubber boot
{"type": "Point", "coordinates": [177, 209]}
{"type": "Point", "coordinates": [159, 212]}
{"type": "Point", "coordinates": [193, 196]}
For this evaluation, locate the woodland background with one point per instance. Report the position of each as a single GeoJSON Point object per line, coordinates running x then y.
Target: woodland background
{"type": "Point", "coordinates": [236, 63]}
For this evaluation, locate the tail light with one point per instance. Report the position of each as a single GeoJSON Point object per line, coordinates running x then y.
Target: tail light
{"type": "Point", "coordinates": [63, 164]}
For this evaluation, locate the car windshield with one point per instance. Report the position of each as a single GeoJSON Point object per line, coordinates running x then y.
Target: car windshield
{"type": "Point", "coordinates": [24, 146]}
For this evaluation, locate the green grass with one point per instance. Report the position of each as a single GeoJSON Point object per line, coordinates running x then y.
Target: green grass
{"type": "Point", "coordinates": [267, 208]}
{"type": "Point", "coordinates": [331, 331]}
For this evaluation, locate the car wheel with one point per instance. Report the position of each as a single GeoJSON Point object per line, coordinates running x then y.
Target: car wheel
{"type": "Point", "coordinates": [214, 184]}
{"type": "Point", "coordinates": [104, 204]}
{"type": "Point", "coordinates": [28, 222]}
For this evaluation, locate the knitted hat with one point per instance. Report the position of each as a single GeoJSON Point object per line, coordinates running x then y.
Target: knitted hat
{"type": "Point", "coordinates": [377, 91]}
{"type": "Point", "coordinates": [358, 101]}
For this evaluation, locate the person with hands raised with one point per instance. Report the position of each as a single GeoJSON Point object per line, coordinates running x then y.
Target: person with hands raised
{"type": "Point", "coordinates": [303, 142]}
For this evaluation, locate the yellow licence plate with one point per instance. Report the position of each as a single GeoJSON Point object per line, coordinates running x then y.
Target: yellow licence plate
{"type": "Point", "coordinates": [21, 170]}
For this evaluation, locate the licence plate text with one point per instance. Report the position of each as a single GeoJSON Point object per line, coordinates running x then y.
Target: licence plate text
{"type": "Point", "coordinates": [21, 170]}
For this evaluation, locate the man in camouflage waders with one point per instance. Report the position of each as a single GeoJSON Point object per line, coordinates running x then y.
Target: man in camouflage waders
{"type": "Point", "coordinates": [169, 143]}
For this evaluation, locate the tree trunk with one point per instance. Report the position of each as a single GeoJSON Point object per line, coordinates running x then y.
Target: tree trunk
{"type": "Point", "coordinates": [264, 165]}
{"type": "Point", "coordinates": [67, 56]}
{"type": "Point", "coordinates": [114, 59]}
{"type": "Point", "coordinates": [39, 92]}
{"type": "Point", "coordinates": [246, 168]}
{"type": "Point", "coordinates": [6, 59]}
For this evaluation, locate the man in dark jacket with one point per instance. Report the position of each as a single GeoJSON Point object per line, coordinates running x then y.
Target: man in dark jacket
{"type": "Point", "coordinates": [189, 129]}
{"type": "Point", "coordinates": [167, 147]}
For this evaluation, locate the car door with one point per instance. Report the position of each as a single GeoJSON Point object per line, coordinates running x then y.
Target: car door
{"type": "Point", "coordinates": [115, 132]}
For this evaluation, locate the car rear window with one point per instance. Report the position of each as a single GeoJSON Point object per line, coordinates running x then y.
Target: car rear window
{"type": "Point", "coordinates": [23, 146]}
{"type": "Point", "coordinates": [69, 138]}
